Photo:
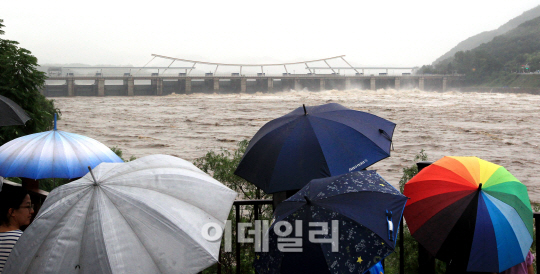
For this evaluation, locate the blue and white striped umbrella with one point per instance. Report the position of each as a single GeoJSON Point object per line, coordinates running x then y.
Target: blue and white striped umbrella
{"type": "Point", "coordinates": [53, 154]}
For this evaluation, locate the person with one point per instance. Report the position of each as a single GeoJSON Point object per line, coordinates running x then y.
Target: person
{"type": "Point", "coordinates": [525, 267]}
{"type": "Point", "coordinates": [16, 210]}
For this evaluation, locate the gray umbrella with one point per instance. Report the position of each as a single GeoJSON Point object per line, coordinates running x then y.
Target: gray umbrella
{"type": "Point", "coordinates": [11, 113]}
{"type": "Point", "coordinates": [144, 216]}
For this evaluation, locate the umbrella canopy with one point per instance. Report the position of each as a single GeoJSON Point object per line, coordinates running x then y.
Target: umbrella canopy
{"type": "Point", "coordinates": [11, 113]}
{"type": "Point", "coordinates": [314, 142]}
{"type": "Point", "coordinates": [144, 216]}
{"type": "Point", "coordinates": [472, 212]}
{"type": "Point", "coordinates": [53, 154]}
{"type": "Point", "coordinates": [362, 212]}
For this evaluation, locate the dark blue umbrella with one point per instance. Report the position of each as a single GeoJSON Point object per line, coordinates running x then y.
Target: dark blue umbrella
{"type": "Point", "coordinates": [314, 142]}
{"type": "Point", "coordinates": [367, 210]}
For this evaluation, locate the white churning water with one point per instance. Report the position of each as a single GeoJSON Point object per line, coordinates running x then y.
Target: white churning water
{"type": "Point", "coordinates": [500, 128]}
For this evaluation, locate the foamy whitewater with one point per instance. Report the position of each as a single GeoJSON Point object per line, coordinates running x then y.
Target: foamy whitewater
{"type": "Point", "coordinates": [500, 128]}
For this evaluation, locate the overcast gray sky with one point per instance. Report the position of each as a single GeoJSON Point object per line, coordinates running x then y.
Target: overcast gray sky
{"type": "Point", "coordinates": [369, 33]}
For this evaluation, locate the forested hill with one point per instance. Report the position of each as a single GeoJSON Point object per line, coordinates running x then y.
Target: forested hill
{"type": "Point", "coordinates": [495, 60]}
{"type": "Point", "coordinates": [487, 36]}
{"type": "Point", "coordinates": [517, 47]}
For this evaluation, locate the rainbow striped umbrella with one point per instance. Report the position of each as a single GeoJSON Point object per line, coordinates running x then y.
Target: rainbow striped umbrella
{"type": "Point", "coordinates": [471, 213]}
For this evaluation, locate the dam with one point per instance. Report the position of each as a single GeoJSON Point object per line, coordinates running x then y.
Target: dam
{"type": "Point", "coordinates": [73, 81]}
{"type": "Point", "coordinates": [182, 84]}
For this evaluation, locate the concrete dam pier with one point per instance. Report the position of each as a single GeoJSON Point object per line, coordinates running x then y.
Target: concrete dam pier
{"type": "Point", "coordinates": [157, 85]}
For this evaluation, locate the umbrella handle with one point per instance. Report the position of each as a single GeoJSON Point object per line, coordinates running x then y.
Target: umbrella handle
{"type": "Point", "coordinates": [385, 135]}
{"type": "Point", "coordinates": [390, 225]}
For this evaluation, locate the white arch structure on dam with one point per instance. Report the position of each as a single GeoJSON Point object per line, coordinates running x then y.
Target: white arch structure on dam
{"type": "Point", "coordinates": [194, 62]}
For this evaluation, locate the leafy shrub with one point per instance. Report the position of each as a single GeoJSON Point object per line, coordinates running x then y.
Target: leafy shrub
{"type": "Point", "coordinates": [120, 153]}
{"type": "Point", "coordinates": [221, 165]}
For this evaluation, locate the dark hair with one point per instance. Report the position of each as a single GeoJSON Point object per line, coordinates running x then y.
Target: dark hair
{"type": "Point", "coordinates": [10, 197]}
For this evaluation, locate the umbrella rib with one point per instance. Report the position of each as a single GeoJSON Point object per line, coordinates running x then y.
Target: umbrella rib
{"type": "Point", "coordinates": [72, 146]}
{"type": "Point", "coordinates": [137, 235]}
{"type": "Point", "coordinates": [73, 188]}
{"type": "Point", "coordinates": [377, 147]}
{"type": "Point", "coordinates": [285, 142]}
{"type": "Point", "coordinates": [198, 246]}
{"type": "Point", "coordinates": [353, 111]}
{"type": "Point", "coordinates": [292, 120]}
{"type": "Point", "coordinates": [80, 145]}
{"type": "Point", "coordinates": [127, 171]}
{"type": "Point", "coordinates": [429, 180]}
{"type": "Point", "coordinates": [164, 193]}
{"type": "Point", "coordinates": [47, 236]}
{"type": "Point", "coordinates": [363, 125]}
{"type": "Point", "coordinates": [426, 181]}
{"type": "Point", "coordinates": [65, 227]}
{"type": "Point", "coordinates": [501, 192]}
{"type": "Point", "coordinates": [17, 155]}
{"type": "Point", "coordinates": [47, 138]}
{"type": "Point", "coordinates": [191, 205]}
{"type": "Point", "coordinates": [95, 145]}
{"type": "Point", "coordinates": [83, 233]}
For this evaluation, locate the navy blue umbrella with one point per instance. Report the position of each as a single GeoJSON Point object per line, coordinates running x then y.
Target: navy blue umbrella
{"type": "Point", "coordinates": [362, 211]}
{"type": "Point", "coordinates": [314, 142]}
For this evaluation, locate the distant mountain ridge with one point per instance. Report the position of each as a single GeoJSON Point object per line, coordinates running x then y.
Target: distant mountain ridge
{"type": "Point", "coordinates": [487, 36]}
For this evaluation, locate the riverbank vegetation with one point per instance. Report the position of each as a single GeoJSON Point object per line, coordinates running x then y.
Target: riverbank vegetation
{"type": "Point", "coordinates": [221, 165]}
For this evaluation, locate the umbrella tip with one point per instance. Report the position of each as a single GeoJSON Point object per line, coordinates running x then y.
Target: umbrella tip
{"type": "Point", "coordinates": [305, 111]}
{"type": "Point", "coordinates": [91, 173]}
{"type": "Point", "coordinates": [55, 121]}
{"type": "Point", "coordinates": [307, 200]}
{"type": "Point", "coordinates": [480, 186]}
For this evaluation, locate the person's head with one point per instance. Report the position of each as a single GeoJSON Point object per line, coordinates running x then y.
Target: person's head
{"type": "Point", "coordinates": [15, 207]}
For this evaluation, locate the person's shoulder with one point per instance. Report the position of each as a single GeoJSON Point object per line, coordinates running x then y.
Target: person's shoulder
{"type": "Point", "coordinates": [12, 233]}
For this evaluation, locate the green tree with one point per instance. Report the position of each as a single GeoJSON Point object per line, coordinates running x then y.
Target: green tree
{"type": "Point", "coordinates": [221, 165]}
{"type": "Point", "coordinates": [533, 60]}
{"type": "Point", "coordinates": [20, 81]}
{"type": "Point", "coordinates": [427, 69]}
{"type": "Point", "coordinates": [410, 245]}
{"type": "Point", "coordinates": [409, 172]}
